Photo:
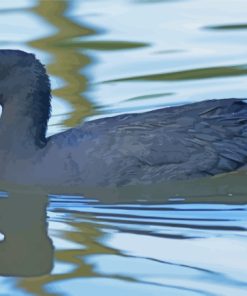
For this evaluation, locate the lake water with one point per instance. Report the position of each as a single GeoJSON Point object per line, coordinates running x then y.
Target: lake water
{"type": "Point", "coordinates": [108, 57]}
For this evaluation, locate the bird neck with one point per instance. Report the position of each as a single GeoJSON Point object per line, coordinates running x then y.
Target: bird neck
{"type": "Point", "coordinates": [23, 123]}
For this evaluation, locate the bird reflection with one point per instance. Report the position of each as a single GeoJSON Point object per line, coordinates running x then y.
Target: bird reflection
{"type": "Point", "coordinates": [26, 249]}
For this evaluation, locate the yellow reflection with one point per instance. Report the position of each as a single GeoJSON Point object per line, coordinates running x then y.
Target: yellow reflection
{"type": "Point", "coordinates": [67, 61]}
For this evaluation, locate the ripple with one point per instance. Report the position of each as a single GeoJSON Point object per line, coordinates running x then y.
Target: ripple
{"type": "Point", "coordinates": [105, 45]}
{"type": "Point", "coordinates": [227, 27]}
{"type": "Point", "coordinates": [193, 74]}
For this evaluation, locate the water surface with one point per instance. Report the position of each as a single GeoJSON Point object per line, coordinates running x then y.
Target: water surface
{"type": "Point", "coordinates": [109, 57]}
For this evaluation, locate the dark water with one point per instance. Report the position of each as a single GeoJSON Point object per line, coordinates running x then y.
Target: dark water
{"type": "Point", "coordinates": [108, 57]}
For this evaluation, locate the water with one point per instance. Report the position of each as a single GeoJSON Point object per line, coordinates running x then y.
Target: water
{"type": "Point", "coordinates": [108, 57]}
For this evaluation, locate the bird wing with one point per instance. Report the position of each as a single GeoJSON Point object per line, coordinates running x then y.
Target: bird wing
{"type": "Point", "coordinates": [182, 142]}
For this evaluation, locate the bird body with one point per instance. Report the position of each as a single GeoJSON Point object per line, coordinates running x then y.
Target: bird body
{"type": "Point", "coordinates": [175, 143]}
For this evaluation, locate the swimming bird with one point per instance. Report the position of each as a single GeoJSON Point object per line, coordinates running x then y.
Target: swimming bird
{"type": "Point", "coordinates": [176, 143]}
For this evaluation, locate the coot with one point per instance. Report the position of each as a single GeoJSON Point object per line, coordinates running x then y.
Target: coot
{"type": "Point", "coordinates": [190, 141]}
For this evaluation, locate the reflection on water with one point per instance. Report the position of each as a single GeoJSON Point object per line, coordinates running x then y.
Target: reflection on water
{"type": "Point", "coordinates": [228, 27]}
{"type": "Point", "coordinates": [26, 249]}
{"type": "Point", "coordinates": [192, 74]}
{"type": "Point", "coordinates": [67, 61]}
{"type": "Point", "coordinates": [144, 248]}
{"type": "Point", "coordinates": [107, 57]}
